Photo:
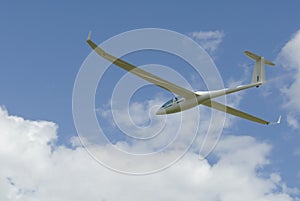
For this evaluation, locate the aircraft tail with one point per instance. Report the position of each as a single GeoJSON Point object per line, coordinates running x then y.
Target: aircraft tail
{"type": "Point", "coordinates": [259, 74]}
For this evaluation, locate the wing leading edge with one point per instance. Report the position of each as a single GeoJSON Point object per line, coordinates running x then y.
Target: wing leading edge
{"type": "Point", "coordinates": [143, 74]}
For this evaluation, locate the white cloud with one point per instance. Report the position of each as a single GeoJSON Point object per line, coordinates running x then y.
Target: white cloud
{"type": "Point", "coordinates": [292, 121]}
{"type": "Point", "coordinates": [289, 57]}
{"type": "Point", "coordinates": [209, 40]}
{"type": "Point", "coordinates": [176, 131]}
{"type": "Point", "coordinates": [32, 169]}
{"type": "Point", "coordinates": [135, 121]}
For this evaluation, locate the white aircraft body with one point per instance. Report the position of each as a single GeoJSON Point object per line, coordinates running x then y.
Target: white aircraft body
{"type": "Point", "coordinates": [188, 99]}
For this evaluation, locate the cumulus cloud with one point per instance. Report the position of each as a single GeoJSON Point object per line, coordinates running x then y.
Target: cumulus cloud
{"type": "Point", "coordinates": [33, 168]}
{"type": "Point", "coordinates": [292, 121]}
{"type": "Point", "coordinates": [148, 131]}
{"type": "Point", "coordinates": [209, 40]}
{"type": "Point", "coordinates": [289, 58]}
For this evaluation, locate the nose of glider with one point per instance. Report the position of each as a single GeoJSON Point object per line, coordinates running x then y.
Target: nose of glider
{"type": "Point", "coordinates": [161, 111]}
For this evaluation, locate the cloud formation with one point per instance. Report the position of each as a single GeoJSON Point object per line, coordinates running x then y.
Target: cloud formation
{"type": "Point", "coordinates": [209, 40]}
{"type": "Point", "coordinates": [33, 168]}
{"type": "Point", "coordinates": [289, 58]}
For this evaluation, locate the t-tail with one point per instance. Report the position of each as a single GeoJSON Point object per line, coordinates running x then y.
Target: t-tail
{"type": "Point", "coordinates": [259, 75]}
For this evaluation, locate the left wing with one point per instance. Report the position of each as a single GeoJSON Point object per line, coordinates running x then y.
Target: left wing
{"type": "Point", "coordinates": [143, 74]}
{"type": "Point", "coordinates": [235, 112]}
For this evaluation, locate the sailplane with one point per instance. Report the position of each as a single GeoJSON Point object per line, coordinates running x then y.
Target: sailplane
{"type": "Point", "coordinates": [187, 99]}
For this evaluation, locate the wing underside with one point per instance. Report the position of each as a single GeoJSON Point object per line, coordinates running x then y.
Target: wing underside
{"type": "Point", "coordinates": [143, 74]}
{"type": "Point", "coordinates": [232, 111]}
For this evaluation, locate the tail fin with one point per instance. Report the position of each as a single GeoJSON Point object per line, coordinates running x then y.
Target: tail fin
{"type": "Point", "coordinates": [259, 69]}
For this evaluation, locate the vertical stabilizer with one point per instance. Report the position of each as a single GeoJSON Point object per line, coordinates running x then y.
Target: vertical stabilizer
{"type": "Point", "coordinates": [259, 74]}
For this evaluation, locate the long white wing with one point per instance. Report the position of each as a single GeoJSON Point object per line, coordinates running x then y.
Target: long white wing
{"type": "Point", "coordinates": [143, 74]}
{"type": "Point", "coordinates": [232, 111]}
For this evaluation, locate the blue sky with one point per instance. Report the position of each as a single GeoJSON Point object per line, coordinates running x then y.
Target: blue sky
{"type": "Point", "coordinates": [43, 46]}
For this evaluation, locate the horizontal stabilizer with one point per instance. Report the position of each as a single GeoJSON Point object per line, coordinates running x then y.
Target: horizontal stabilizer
{"type": "Point", "coordinates": [257, 58]}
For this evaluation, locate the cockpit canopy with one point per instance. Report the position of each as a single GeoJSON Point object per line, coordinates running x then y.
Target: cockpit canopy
{"type": "Point", "coordinates": [171, 102]}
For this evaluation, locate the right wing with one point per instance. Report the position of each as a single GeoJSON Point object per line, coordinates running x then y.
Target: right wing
{"type": "Point", "coordinates": [143, 74]}
{"type": "Point", "coordinates": [235, 112]}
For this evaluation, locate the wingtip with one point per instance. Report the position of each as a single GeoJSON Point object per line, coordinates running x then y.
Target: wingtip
{"type": "Point", "coordinates": [89, 35]}
{"type": "Point", "coordinates": [277, 122]}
